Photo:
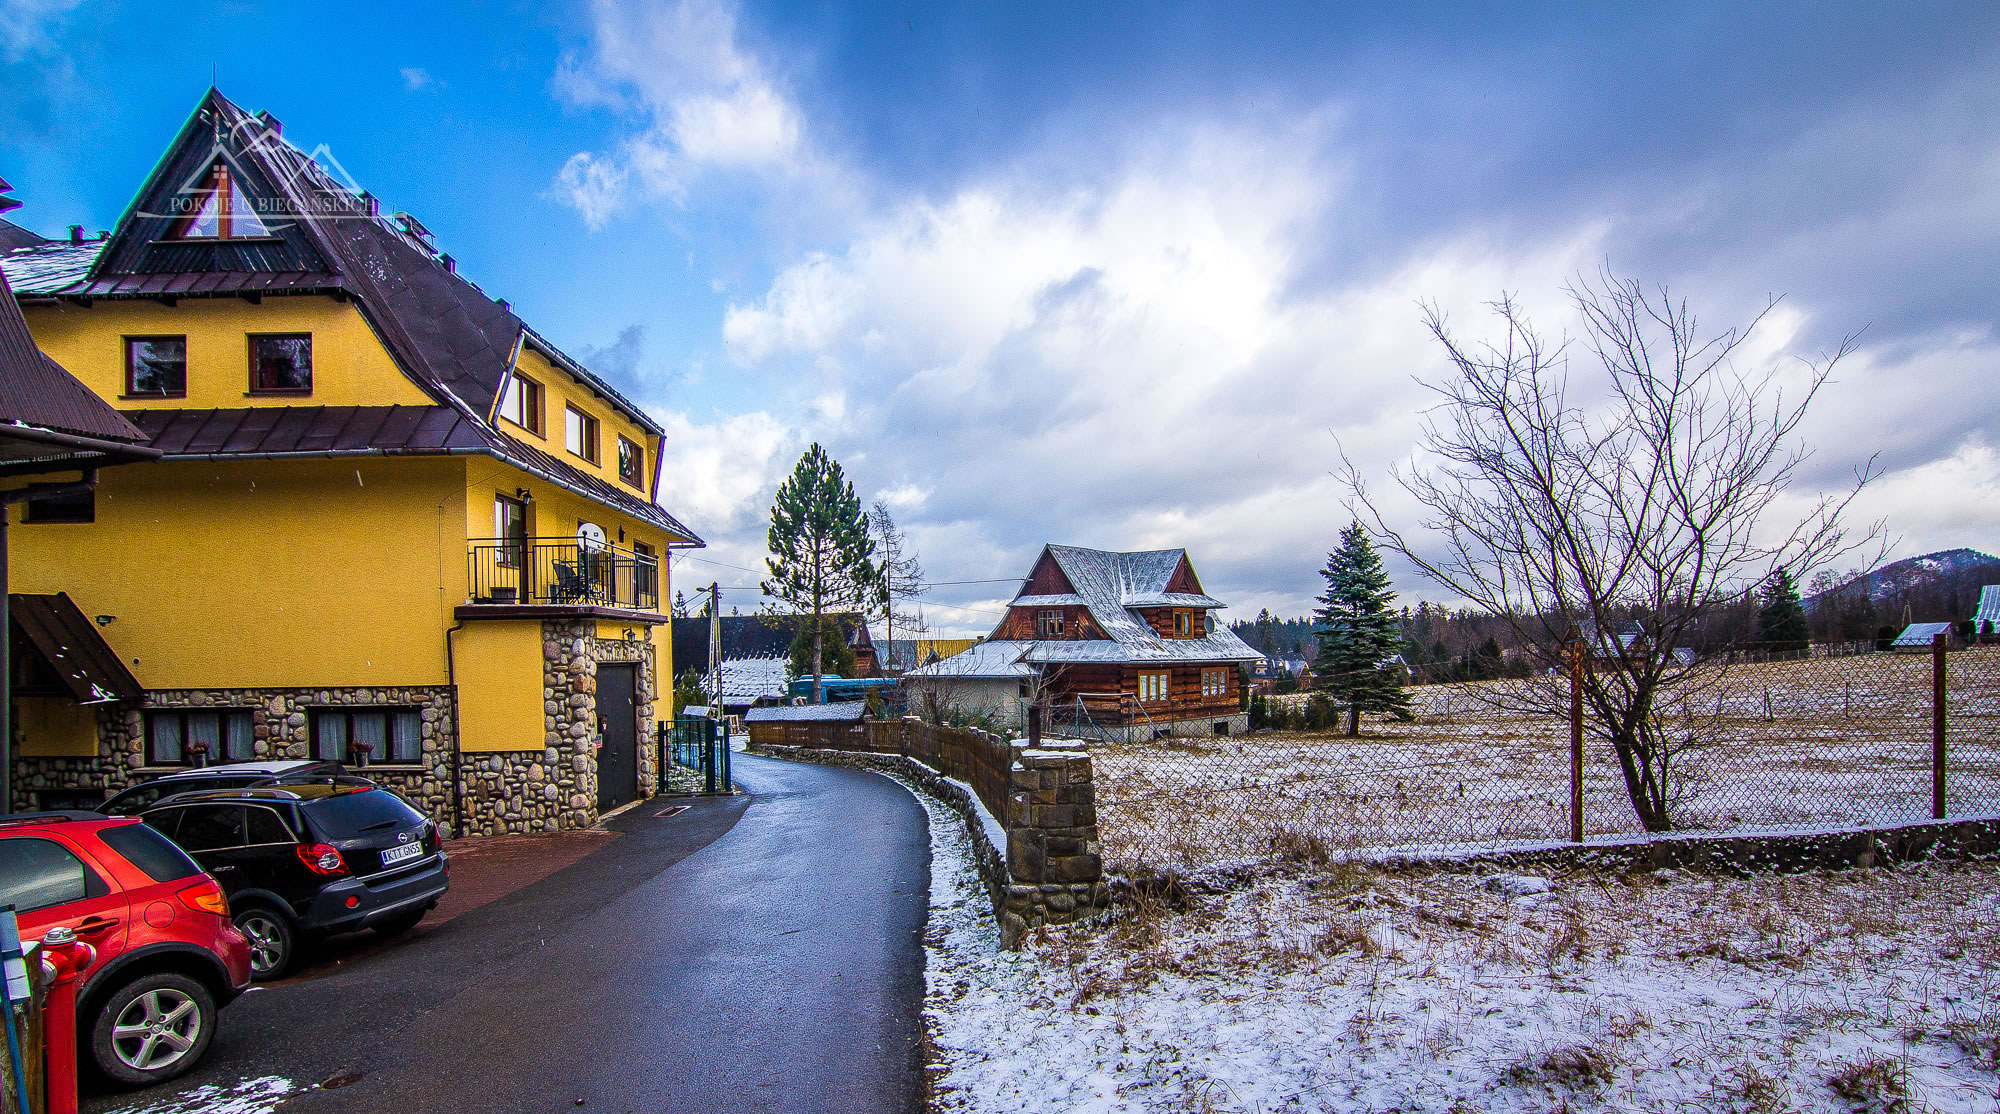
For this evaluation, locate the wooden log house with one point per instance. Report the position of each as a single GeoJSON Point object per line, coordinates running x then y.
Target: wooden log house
{"type": "Point", "coordinates": [1116, 645]}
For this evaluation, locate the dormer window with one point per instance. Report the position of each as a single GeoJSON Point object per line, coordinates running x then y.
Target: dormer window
{"type": "Point", "coordinates": [521, 403]}
{"type": "Point", "coordinates": [1183, 624]}
{"type": "Point", "coordinates": [218, 210]}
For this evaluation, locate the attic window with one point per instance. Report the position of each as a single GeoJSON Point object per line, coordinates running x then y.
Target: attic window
{"type": "Point", "coordinates": [1049, 624]}
{"type": "Point", "coordinates": [1183, 623]}
{"type": "Point", "coordinates": [218, 210]}
{"type": "Point", "coordinates": [631, 461]}
{"type": "Point", "coordinates": [521, 403]}
{"type": "Point", "coordinates": [580, 434]}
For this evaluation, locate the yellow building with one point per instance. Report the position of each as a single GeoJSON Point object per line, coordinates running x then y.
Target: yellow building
{"type": "Point", "coordinates": [390, 522]}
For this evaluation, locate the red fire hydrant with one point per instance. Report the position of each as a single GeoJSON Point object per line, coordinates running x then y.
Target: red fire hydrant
{"type": "Point", "coordinates": [68, 958]}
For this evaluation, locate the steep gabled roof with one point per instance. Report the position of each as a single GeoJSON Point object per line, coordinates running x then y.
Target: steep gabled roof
{"type": "Point", "coordinates": [325, 237]}
{"type": "Point", "coordinates": [14, 236]}
{"type": "Point", "coordinates": [1111, 586]}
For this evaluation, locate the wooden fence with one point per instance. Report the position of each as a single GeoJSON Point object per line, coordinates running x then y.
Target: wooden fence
{"type": "Point", "coordinates": [980, 760]}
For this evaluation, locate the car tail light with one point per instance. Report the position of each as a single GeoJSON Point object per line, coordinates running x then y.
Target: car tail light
{"type": "Point", "coordinates": [322, 859]}
{"type": "Point", "coordinates": [206, 897]}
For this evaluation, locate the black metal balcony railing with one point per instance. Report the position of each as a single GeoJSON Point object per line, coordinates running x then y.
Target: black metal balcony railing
{"type": "Point", "coordinates": [563, 571]}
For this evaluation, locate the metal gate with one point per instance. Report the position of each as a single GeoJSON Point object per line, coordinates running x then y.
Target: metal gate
{"type": "Point", "coordinates": [694, 756]}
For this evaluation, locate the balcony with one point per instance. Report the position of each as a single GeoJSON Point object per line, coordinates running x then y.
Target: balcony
{"type": "Point", "coordinates": [546, 575]}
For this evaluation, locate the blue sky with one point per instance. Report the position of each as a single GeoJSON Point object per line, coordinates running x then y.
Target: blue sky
{"type": "Point", "coordinates": [1114, 277]}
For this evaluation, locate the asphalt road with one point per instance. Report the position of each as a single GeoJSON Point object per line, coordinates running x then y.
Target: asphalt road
{"type": "Point", "coordinates": [759, 953]}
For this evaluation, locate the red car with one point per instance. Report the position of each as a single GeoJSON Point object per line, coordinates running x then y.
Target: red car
{"type": "Point", "coordinates": [168, 956]}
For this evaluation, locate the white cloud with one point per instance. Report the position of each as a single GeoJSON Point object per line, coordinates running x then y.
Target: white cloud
{"type": "Point", "coordinates": [1135, 362]}
{"type": "Point", "coordinates": [27, 26]}
{"type": "Point", "coordinates": [416, 77]}
{"type": "Point", "coordinates": [701, 101]}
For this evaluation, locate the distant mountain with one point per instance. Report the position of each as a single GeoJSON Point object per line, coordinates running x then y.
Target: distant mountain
{"type": "Point", "coordinates": [1917, 576]}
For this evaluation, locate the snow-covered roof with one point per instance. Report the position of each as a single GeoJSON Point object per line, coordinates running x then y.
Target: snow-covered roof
{"type": "Point", "coordinates": [1111, 585]}
{"type": "Point", "coordinates": [747, 680]}
{"type": "Point", "coordinates": [47, 268]}
{"type": "Point", "coordinates": [848, 711]}
{"type": "Point", "coordinates": [988, 659]}
{"type": "Point", "coordinates": [1920, 634]}
{"type": "Point", "coordinates": [1989, 605]}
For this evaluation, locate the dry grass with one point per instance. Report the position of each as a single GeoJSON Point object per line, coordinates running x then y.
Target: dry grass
{"type": "Point", "coordinates": [1813, 743]}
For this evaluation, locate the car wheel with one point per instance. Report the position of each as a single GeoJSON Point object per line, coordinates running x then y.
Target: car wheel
{"type": "Point", "coordinates": [152, 1029]}
{"type": "Point", "coordinates": [401, 923]}
{"type": "Point", "coordinates": [273, 943]}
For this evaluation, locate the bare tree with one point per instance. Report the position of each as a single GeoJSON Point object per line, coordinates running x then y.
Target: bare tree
{"type": "Point", "coordinates": [1610, 526]}
{"type": "Point", "coordinates": [902, 575]}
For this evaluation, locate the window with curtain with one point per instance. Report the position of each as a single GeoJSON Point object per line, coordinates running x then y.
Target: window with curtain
{"type": "Point", "coordinates": [171, 735]}
{"type": "Point", "coordinates": [393, 735]}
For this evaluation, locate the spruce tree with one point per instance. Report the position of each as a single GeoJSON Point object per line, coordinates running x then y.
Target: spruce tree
{"type": "Point", "coordinates": [1357, 631]}
{"type": "Point", "coordinates": [820, 550]}
{"type": "Point", "coordinates": [1781, 624]}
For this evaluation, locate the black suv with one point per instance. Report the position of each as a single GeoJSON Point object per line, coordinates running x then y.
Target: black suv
{"type": "Point", "coordinates": [301, 862]}
{"type": "Point", "coordinates": [229, 775]}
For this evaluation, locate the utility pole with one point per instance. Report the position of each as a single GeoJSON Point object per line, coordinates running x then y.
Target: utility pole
{"type": "Point", "coordinates": [715, 648]}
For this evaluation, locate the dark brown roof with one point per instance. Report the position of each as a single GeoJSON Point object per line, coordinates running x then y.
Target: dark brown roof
{"type": "Point", "coordinates": [35, 391]}
{"type": "Point", "coordinates": [257, 431]}
{"type": "Point", "coordinates": [195, 284]}
{"type": "Point", "coordinates": [448, 336]}
{"type": "Point", "coordinates": [391, 430]}
{"type": "Point", "coordinates": [73, 648]}
{"type": "Point", "coordinates": [14, 236]}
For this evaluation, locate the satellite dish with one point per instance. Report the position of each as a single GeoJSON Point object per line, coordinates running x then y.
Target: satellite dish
{"type": "Point", "coordinates": [590, 536]}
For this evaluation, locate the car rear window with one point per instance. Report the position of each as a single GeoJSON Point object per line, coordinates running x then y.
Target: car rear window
{"type": "Point", "coordinates": [352, 815]}
{"type": "Point", "coordinates": [150, 851]}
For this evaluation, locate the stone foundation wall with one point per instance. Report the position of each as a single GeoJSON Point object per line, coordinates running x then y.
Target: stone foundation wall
{"type": "Point", "coordinates": [551, 789]}
{"type": "Point", "coordinates": [279, 729]}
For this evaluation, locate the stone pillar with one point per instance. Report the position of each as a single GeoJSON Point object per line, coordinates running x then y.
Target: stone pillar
{"type": "Point", "coordinates": [1054, 861]}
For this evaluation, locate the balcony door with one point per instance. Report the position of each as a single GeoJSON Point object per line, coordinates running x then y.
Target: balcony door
{"type": "Point", "coordinates": [510, 530]}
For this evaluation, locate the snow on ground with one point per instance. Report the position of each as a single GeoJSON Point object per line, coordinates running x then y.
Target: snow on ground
{"type": "Point", "coordinates": [1323, 987]}
{"type": "Point", "coordinates": [248, 1096]}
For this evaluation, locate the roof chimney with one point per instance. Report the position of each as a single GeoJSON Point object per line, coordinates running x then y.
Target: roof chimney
{"type": "Point", "coordinates": [103, 234]}
{"type": "Point", "coordinates": [502, 303]}
{"type": "Point", "coordinates": [76, 234]}
{"type": "Point", "coordinates": [368, 199]}
{"type": "Point", "coordinates": [450, 264]}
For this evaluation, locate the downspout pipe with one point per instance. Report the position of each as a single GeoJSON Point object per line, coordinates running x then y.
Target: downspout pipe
{"type": "Point", "coordinates": [457, 726]}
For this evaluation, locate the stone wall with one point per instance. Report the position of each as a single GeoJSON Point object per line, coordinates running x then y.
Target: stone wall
{"type": "Point", "coordinates": [543, 790]}
{"type": "Point", "coordinates": [1239, 724]}
{"type": "Point", "coordinates": [279, 729]}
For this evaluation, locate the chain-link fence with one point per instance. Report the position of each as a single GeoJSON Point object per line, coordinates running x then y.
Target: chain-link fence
{"type": "Point", "coordinates": [1738, 741]}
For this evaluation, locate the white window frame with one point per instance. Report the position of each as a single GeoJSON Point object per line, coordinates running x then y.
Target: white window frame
{"type": "Point", "coordinates": [1154, 686]}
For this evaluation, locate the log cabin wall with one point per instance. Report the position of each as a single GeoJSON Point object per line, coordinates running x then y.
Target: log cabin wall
{"type": "Point", "coordinates": [1047, 579]}
{"type": "Point", "coordinates": [1095, 684]}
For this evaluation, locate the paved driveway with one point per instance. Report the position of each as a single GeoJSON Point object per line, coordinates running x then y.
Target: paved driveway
{"type": "Point", "coordinates": [761, 953]}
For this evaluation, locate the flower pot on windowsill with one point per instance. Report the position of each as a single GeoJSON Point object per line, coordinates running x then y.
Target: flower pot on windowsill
{"type": "Point", "coordinates": [505, 595]}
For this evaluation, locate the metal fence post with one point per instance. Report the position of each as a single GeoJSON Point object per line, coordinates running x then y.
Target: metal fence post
{"type": "Point", "coordinates": [661, 778]}
{"type": "Point", "coordinates": [1939, 694]}
{"type": "Point", "coordinates": [1576, 744]}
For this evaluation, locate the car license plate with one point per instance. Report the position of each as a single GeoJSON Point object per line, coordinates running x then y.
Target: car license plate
{"type": "Point", "coordinates": [404, 853]}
